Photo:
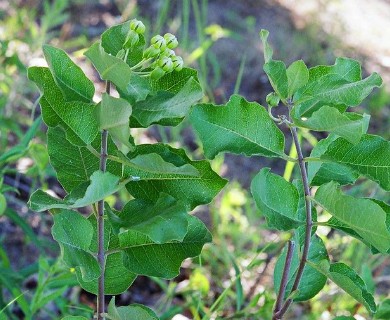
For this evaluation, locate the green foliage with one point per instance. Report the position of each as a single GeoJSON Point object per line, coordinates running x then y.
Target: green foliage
{"type": "Point", "coordinates": [317, 99]}
{"type": "Point", "coordinates": [153, 233]}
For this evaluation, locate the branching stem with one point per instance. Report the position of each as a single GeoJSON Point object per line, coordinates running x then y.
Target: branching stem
{"type": "Point", "coordinates": [309, 224]}
{"type": "Point", "coordinates": [100, 222]}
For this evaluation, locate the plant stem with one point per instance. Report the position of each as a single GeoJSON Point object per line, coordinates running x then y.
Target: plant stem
{"type": "Point", "coordinates": [100, 222]}
{"type": "Point", "coordinates": [309, 223]}
{"type": "Point", "coordinates": [284, 280]}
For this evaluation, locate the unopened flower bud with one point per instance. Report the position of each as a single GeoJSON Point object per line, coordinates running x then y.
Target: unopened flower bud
{"type": "Point", "coordinates": [168, 53]}
{"type": "Point", "coordinates": [171, 40]}
{"type": "Point", "coordinates": [166, 64]}
{"type": "Point", "coordinates": [151, 52]}
{"type": "Point", "coordinates": [121, 54]}
{"type": "Point", "coordinates": [137, 26]}
{"type": "Point", "coordinates": [158, 42]}
{"type": "Point", "coordinates": [177, 63]}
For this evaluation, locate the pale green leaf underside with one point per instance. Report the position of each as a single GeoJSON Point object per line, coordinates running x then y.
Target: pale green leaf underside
{"type": "Point", "coordinates": [277, 75]}
{"type": "Point", "coordinates": [131, 86]}
{"type": "Point", "coordinates": [266, 189]}
{"type": "Point", "coordinates": [370, 157]}
{"type": "Point", "coordinates": [240, 127]}
{"type": "Point", "coordinates": [68, 76]}
{"type": "Point", "coordinates": [102, 185]}
{"type": "Point", "coordinates": [312, 281]}
{"type": "Point", "coordinates": [350, 126]}
{"type": "Point", "coordinates": [297, 76]}
{"type": "Point", "coordinates": [364, 216]}
{"type": "Point", "coordinates": [348, 280]}
{"type": "Point", "coordinates": [133, 311]}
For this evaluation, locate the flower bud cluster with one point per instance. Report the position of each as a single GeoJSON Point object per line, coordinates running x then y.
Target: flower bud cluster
{"type": "Point", "coordinates": [158, 59]}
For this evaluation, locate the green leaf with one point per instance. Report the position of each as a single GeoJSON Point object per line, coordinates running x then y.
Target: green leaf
{"type": "Point", "coordinates": [68, 76]}
{"type": "Point", "coordinates": [56, 111]}
{"type": "Point", "coordinates": [348, 280]}
{"type": "Point", "coordinates": [74, 233]}
{"type": "Point", "coordinates": [133, 311]}
{"type": "Point", "coordinates": [322, 172]}
{"type": "Point", "coordinates": [3, 204]}
{"type": "Point", "coordinates": [297, 76]}
{"type": "Point", "coordinates": [102, 185]}
{"type": "Point", "coordinates": [176, 93]}
{"type": "Point", "coordinates": [74, 164]}
{"type": "Point", "coordinates": [131, 86]}
{"type": "Point", "coordinates": [383, 310]}
{"type": "Point", "coordinates": [117, 278]}
{"type": "Point", "coordinates": [266, 189]}
{"type": "Point", "coordinates": [74, 318]}
{"type": "Point", "coordinates": [350, 126]}
{"type": "Point", "coordinates": [268, 52]}
{"type": "Point", "coordinates": [113, 114]}
{"type": "Point", "coordinates": [312, 280]}
{"type": "Point", "coordinates": [163, 221]}
{"type": "Point", "coordinates": [143, 256]}
{"type": "Point", "coordinates": [114, 38]}
{"type": "Point", "coordinates": [370, 157]}
{"type": "Point", "coordinates": [238, 127]}
{"type": "Point", "coordinates": [364, 216]}
{"type": "Point", "coordinates": [190, 188]}
{"type": "Point", "coordinates": [277, 75]}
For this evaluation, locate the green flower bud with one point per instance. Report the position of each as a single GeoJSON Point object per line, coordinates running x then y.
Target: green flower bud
{"type": "Point", "coordinates": [151, 52]}
{"type": "Point", "coordinates": [157, 73]}
{"type": "Point", "coordinates": [158, 42]}
{"type": "Point", "coordinates": [168, 53]}
{"type": "Point", "coordinates": [171, 40]}
{"type": "Point", "coordinates": [166, 64]}
{"type": "Point", "coordinates": [132, 39]}
{"type": "Point", "coordinates": [177, 63]}
{"type": "Point", "coordinates": [137, 26]}
{"type": "Point", "coordinates": [272, 99]}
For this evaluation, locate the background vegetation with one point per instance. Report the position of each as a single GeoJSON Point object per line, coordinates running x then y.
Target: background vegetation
{"type": "Point", "coordinates": [233, 277]}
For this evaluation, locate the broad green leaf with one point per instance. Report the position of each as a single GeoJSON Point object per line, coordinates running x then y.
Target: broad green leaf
{"type": "Point", "coordinates": [312, 280]}
{"type": "Point", "coordinates": [114, 38]}
{"type": "Point", "coordinates": [168, 107]}
{"type": "Point", "coordinates": [133, 311]}
{"type": "Point", "coordinates": [383, 310]}
{"type": "Point", "coordinates": [163, 221]}
{"type": "Point", "coordinates": [339, 86]}
{"type": "Point", "coordinates": [131, 86]}
{"type": "Point", "coordinates": [277, 75]}
{"type": "Point", "coordinates": [348, 280]}
{"type": "Point", "coordinates": [74, 164]}
{"type": "Point", "coordinates": [74, 233]}
{"type": "Point", "coordinates": [102, 185]}
{"type": "Point", "coordinates": [68, 76]}
{"type": "Point", "coordinates": [322, 172]}
{"type": "Point", "coordinates": [268, 52]}
{"type": "Point", "coordinates": [56, 111]}
{"type": "Point", "coordinates": [364, 216]}
{"type": "Point", "coordinates": [143, 256]}
{"type": "Point", "coordinates": [191, 189]}
{"type": "Point", "coordinates": [370, 157]}
{"type": "Point", "coordinates": [117, 279]}
{"type": "Point", "coordinates": [297, 76]}
{"type": "Point", "coordinates": [266, 189]}
{"type": "Point", "coordinates": [113, 114]}
{"type": "Point", "coordinates": [350, 126]}
{"type": "Point", "coordinates": [238, 127]}
{"type": "Point", "coordinates": [339, 225]}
